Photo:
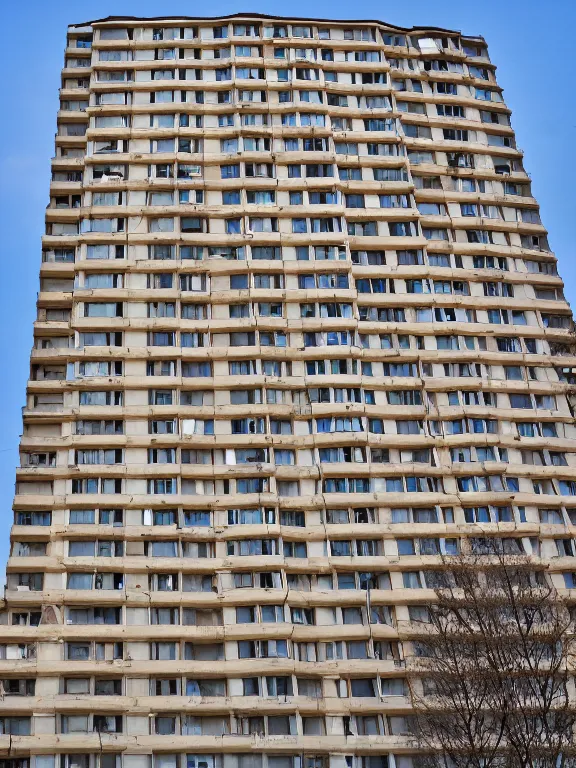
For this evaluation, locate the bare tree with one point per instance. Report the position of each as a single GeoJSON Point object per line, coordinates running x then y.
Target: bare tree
{"type": "Point", "coordinates": [489, 678]}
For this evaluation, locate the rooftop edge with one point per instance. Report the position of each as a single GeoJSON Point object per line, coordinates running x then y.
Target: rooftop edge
{"type": "Point", "coordinates": [271, 18]}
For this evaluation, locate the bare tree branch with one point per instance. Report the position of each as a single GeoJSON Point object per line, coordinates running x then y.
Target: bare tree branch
{"type": "Point", "coordinates": [489, 678]}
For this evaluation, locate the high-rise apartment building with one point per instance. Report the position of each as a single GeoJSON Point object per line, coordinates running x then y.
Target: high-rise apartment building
{"type": "Point", "coordinates": [299, 334]}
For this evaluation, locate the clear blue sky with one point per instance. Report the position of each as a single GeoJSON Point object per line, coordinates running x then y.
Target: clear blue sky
{"type": "Point", "coordinates": [531, 42]}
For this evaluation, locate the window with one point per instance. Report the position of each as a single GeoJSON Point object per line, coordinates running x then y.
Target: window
{"type": "Point", "coordinates": [364, 687]}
